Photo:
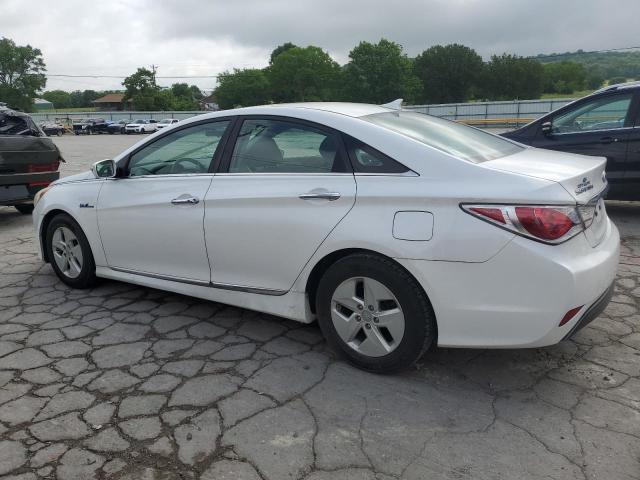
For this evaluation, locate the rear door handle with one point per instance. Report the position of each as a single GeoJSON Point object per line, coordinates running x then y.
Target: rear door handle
{"type": "Point", "coordinates": [331, 196]}
{"type": "Point", "coordinates": [608, 140]}
{"type": "Point", "coordinates": [185, 199]}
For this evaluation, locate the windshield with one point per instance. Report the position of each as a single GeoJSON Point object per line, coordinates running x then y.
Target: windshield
{"type": "Point", "coordinates": [140, 121]}
{"type": "Point", "coordinates": [456, 139]}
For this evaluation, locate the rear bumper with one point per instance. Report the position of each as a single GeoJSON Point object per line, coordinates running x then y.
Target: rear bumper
{"type": "Point", "coordinates": [518, 298]}
{"type": "Point", "coordinates": [592, 312]}
{"type": "Point", "coordinates": [22, 187]}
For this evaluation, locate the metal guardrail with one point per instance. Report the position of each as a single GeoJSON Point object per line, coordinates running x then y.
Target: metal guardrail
{"type": "Point", "coordinates": [498, 114]}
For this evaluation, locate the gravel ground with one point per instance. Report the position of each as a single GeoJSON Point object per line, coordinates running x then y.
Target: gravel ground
{"type": "Point", "coordinates": [135, 383]}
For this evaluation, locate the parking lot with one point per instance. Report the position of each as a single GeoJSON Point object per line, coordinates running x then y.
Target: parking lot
{"type": "Point", "coordinates": [128, 382]}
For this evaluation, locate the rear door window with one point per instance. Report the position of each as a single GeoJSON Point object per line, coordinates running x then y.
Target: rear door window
{"type": "Point", "coordinates": [280, 146]}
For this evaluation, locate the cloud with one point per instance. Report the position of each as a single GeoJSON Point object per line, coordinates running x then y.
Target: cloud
{"type": "Point", "coordinates": [200, 37]}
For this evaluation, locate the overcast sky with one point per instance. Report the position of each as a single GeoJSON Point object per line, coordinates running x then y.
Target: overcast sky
{"type": "Point", "coordinates": [206, 37]}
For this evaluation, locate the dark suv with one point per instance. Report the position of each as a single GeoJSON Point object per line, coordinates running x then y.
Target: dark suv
{"type": "Point", "coordinates": [90, 126]}
{"type": "Point", "coordinates": [29, 160]}
{"type": "Point", "coordinates": [604, 124]}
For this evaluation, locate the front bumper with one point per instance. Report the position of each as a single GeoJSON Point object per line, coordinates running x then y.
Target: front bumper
{"type": "Point", "coordinates": [518, 298]}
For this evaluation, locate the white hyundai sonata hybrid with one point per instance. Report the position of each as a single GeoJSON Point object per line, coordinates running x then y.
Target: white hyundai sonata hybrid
{"type": "Point", "coordinates": [395, 230]}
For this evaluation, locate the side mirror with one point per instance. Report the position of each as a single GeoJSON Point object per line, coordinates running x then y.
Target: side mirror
{"type": "Point", "coordinates": [104, 169]}
{"type": "Point", "coordinates": [546, 128]}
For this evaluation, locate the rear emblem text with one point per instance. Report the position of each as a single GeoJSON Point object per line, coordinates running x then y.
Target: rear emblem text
{"type": "Point", "coordinates": [584, 186]}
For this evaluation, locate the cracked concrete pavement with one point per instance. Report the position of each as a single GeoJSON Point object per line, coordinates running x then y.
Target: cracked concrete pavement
{"type": "Point", "coordinates": [134, 383]}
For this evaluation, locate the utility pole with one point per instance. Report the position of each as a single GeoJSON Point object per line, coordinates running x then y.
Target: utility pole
{"type": "Point", "coordinates": [153, 69]}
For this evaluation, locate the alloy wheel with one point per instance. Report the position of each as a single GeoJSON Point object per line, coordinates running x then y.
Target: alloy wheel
{"type": "Point", "coordinates": [367, 316]}
{"type": "Point", "coordinates": [67, 252]}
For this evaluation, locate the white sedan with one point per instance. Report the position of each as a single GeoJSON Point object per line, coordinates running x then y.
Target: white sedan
{"type": "Point", "coordinates": [166, 122]}
{"type": "Point", "coordinates": [140, 126]}
{"type": "Point", "coordinates": [395, 230]}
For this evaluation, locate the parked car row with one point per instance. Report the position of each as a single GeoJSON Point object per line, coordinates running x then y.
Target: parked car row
{"type": "Point", "coordinates": [93, 126]}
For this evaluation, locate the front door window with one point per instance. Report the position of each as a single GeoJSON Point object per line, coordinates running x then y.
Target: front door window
{"type": "Point", "coordinates": [606, 113]}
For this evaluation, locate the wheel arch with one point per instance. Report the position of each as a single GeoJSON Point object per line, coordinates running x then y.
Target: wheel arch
{"type": "Point", "coordinates": [321, 266]}
{"type": "Point", "coordinates": [46, 220]}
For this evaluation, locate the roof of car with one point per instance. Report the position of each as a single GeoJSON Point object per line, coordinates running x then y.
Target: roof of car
{"type": "Point", "coordinates": [13, 113]}
{"type": "Point", "coordinates": [619, 86]}
{"type": "Point", "coordinates": [342, 108]}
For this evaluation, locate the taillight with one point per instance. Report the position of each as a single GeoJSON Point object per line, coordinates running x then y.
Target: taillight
{"type": "Point", "coordinates": [43, 167]}
{"type": "Point", "coordinates": [545, 223]}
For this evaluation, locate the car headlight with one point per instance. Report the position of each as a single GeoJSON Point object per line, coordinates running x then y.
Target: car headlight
{"type": "Point", "coordinates": [40, 193]}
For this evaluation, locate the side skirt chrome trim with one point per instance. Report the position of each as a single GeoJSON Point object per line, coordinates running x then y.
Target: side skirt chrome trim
{"type": "Point", "coordinates": [256, 290]}
{"type": "Point", "coordinates": [202, 283]}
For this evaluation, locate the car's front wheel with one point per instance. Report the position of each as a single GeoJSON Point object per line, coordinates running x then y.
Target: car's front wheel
{"type": "Point", "coordinates": [69, 252]}
{"type": "Point", "coordinates": [375, 313]}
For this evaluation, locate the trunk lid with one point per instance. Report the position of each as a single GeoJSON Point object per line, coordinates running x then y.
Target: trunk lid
{"type": "Point", "coordinates": [580, 175]}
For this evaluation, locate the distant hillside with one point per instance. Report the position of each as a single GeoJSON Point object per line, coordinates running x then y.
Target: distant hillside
{"type": "Point", "coordinates": [606, 64]}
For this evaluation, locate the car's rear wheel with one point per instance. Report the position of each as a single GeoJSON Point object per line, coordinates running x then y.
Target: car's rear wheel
{"type": "Point", "coordinates": [375, 313]}
{"type": "Point", "coordinates": [25, 208]}
{"type": "Point", "coordinates": [69, 252]}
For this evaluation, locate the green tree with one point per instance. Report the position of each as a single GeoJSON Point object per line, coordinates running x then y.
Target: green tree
{"type": "Point", "coordinates": [304, 74]}
{"type": "Point", "coordinates": [280, 49]}
{"type": "Point", "coordinates": [141, 88]}
{"type": "Point", "coordinates": [614, 80]}
{"type": "Point", "coordinates": [242, 88]}
{"type": "Point", "coordinates": [379, 73]}
{"type": "Point", "coordinates": [564, 77]}
{"type": "Point", "coordinates": [59, 98]}
{"type": "Point", "coordinates": [21, 74]}
{"type": "Point", "coordinates": [184, 97]}
{"type": "Point", "coordinates": [448, 73]}
{"type": "Point", "coordinates": [594, 80]}
{"type": "Point", "coordinates": [510, 77]}
{"type": "Point", "coordinates": [196, 92]}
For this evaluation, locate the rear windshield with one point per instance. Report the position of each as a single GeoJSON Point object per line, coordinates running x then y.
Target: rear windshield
{"type": "Point", "coordinates": [16, 125]}
{"type": "Point", "coordinates": [456, 139]}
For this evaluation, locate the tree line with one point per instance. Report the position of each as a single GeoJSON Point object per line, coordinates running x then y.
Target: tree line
{"type": "Point", "coordinates": [380, 72]}
{"type": "Point", "coordinates": [375, 73]}
{"type": "Point", "coordinates": [141, 92]}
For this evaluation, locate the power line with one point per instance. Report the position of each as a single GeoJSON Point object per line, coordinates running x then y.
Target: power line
{"type": "Point", "coordinates": [170, 77]}
{"type": "Point", "coordinates": [60, 75]}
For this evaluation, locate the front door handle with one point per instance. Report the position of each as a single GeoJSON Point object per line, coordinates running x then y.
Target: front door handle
{"type": "Point", "coordinates": [607, 140]}
{"type": "Point", "coordinates": [185, 199]}
{"type": "Point", "coordinates": [331, 196]}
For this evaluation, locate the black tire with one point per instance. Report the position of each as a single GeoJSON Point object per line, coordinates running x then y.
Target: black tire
{"type": "Point", "coordinates": [25, 208]}
{"type": "Point", "coordinates": [59, 133]}
{"type": "Point", "coordinates": [87, 277]}
{"type": "Point", "coordinates": [420, 324]}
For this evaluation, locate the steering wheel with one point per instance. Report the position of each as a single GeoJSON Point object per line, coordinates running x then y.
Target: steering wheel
{"type": "Point", "coordinates": [177, 166]}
